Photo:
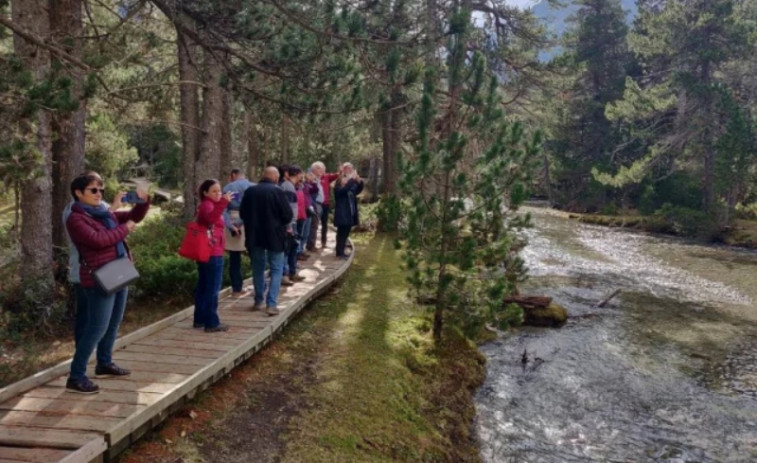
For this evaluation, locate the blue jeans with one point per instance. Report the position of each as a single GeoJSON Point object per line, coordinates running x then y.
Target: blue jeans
{"type": "Point", "coordinates": [98, 317]}
{"type": "Point", "coordinates": [235, 270]}
{"type": "Point", "coordinates": [276, 268]}
{"type": "Point", "coordinates": [210, 278]}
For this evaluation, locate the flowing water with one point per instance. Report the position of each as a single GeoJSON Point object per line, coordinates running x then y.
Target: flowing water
{"type": "Point", "coordinates": [665, 372]}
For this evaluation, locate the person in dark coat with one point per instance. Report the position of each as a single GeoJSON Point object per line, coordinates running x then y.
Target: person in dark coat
{"type": "Point", "coordinates": [266, 214]}
{"type": "Point", "coordinates": [346, 188]}
{"type": "Point", "coordinates": [99, 236]}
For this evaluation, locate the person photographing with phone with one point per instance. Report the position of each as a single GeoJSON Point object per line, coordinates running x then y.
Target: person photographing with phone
{"type": "Point", "coordinates": [346, 188]}
{"type": "Point", "coordinates": [98, 234]}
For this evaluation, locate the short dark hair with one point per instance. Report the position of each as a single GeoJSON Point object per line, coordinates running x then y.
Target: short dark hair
{"type": "Point", "coordinates": [235, 171]}
{"type": "Point", "coordinates": [294, 170]}
{"type": "Point", "coordinates": [205, 186]}
{"type": "Point", "coordinates": [82, 180]}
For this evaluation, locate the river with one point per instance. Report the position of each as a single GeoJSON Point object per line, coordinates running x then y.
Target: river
{"type": "Point", "coordinates": [665, 372]}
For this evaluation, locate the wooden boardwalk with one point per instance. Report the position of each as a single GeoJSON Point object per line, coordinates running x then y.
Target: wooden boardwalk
{"type": "Point", "coordinates": [170, 362]}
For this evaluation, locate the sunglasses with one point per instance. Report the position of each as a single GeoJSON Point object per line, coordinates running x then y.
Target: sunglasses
{"type": "Point", "coordinates": [95, 190]}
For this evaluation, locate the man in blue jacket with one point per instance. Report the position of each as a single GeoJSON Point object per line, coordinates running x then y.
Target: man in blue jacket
{"type": "Point", "coordinates": [266, 214]}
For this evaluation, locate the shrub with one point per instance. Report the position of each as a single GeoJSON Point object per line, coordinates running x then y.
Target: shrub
{"type": "Point", "coordinates": [688, 222]}
{"type": "Point", "coordinates": [162, 271]}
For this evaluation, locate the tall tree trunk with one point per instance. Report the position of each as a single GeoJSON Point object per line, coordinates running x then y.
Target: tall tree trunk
{"type": "Point", "coordinates": [209, 164]}
{"type": "Point", "coordinates": [386, 150]}
{"type": "Point", "coordinates": [36, 194]}
{"type": "Point", "coordinates": [190, 119]}
{"type": "Point", "coordinates": [284, 139]}
{"type": "Point", "coordinates": [68, 126]}
{"type": "Point", "coordinates": [253, 149]}
{"type": "Point", "coordinates": [227, 156]}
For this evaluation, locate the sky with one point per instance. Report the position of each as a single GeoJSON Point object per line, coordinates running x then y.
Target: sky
{"type": "Point", "coordinates": [521, 3]}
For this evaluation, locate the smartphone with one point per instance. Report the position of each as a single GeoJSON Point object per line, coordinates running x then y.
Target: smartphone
{"type": "Point", "coordinates": [131, 197]}
{"type": "Point", "coordinates": [235, 196]}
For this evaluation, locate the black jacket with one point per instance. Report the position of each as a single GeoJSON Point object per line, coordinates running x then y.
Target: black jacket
{"type": "Point", "coordinates": [266, 213]}
{"type": "Point", "coordinates": [345, 203]}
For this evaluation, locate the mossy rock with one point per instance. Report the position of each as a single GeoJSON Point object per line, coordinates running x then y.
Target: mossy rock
{"type": "Point", "coordinates": [553, 315]}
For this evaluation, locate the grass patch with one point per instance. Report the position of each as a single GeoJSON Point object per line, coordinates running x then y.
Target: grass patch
{"type": "Point", "coordinates": [384, 390]}
{"type": "Point", "coordinates": [355, 378]}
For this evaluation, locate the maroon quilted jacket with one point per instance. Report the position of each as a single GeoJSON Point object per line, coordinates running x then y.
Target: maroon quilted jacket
{"type": "Point", "coordinates": [97, 244]}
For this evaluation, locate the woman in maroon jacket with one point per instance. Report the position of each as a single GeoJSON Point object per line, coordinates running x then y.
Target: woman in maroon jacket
{"type": "Point", "coordinates": [98, 235]}
{"type": "Point", "coordinates": [210, 274]}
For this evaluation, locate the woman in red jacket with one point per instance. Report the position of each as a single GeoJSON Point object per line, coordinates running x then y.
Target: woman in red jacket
{"type": "Point", "coordinates": [98, 235]}
{"type": "Point", "coordinates": [210, 274]}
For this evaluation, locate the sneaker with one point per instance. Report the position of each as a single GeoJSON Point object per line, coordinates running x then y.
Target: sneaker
{"type": "Point", "coordinates": [82, 386]}
{"type": "Point", "coordinates": [272, 311]}
{"type": "Point", "coordinates": [237, 294]}
{"type": "Point", "coordinates": [105, 371]}
{"type": "Point", "coordinates": [259, 306]}
{"type": "Point", "coordinates": [216, 329]}
{"type": "Point", "coordinates": [296, 278]}
{"type": "Point", "coordinates": [198, 326]}
{"type": "Point", "coordinates": [285, 281]}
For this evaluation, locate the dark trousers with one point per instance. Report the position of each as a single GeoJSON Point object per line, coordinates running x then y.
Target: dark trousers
{"type": "Point", "coordinates": [342, 233]}
{"type": "Point", "coordinates": [324, 223]}
{"type": "Point", "coordinates": [291, 256]}
{"type": "Point", "coordinates": [314, 227]}
{"type": "Point", "coordinates": [209, 280]}
{"type": "Point", "coordinates": [235, 270]}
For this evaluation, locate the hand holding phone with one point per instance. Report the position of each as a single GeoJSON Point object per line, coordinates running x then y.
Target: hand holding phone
{"type": "Point", "coordinates": [132, 197]}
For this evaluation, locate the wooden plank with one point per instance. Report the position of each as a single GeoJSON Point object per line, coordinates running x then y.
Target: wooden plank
{"type": "Point", "coordinates": [63, 406]}
{"type": "Point", "coordinates": [123, 429]}
{"type": "Point", "coordinates": [173, 351]}
{"type": "Point", "coordinates": [172, 334]}
{"type": "Point", "coordinates": [91, 452]}
{"type": "Point", "coordinates": [126, 387]}
{"type": "Point", "coordinates": [198, 344]}
{"type": "Point", "coordinates": [38, 455]}
{"type": "Point", "coordinates": [159, 367]}
{"type": "Point", "coordinates": [41, 420]}
{"type": "Point", "coordinates": [20, 436]}
{"type": "Point", "coordinates": [129, 355]}
{"type": "Point", "coordinates": [119, 397]}
{"type": "Point", "coordinates": [234, 335]}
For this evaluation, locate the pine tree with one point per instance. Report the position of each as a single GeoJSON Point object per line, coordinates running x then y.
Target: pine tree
{"type": "Point", "coordinates": [466, 177]}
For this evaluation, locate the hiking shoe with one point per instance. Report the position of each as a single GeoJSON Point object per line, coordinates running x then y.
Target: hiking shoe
{"type": "Point", "coordinates": [285, 281]}
{"type": "Point", "coordinates": [259, 306]}
{"type": "Point", "coordinates": [272, 311]}
{"type": "Point", "coordinates": [296, 278]}
{"type": "Point", "coordinates": [105, 371]}
{"type": "Point", "coordinates": [216, 329]}
{"type": "Point", "coordinates": [82, 386]}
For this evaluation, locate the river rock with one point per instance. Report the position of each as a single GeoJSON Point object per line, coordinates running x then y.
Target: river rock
{"type": "Point", "coordinates": [539, 310]}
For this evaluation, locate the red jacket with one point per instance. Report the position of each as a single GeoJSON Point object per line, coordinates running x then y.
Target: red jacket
{"type": "Point", "coordinates": [211, 213]}
{"type": "Point", "coordinates": [97, 244]}
{"type": "Point", "coordinates": [326, 180]}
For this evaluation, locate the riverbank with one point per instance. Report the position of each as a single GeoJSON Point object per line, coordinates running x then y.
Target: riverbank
{"type": "Point", "coordinates": [742, 233]}
{"type": "Point", "coordinates": [357, 377]}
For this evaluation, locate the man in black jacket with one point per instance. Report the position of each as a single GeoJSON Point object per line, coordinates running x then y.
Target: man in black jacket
{"type": "Point", "coordinates": [266, 214]}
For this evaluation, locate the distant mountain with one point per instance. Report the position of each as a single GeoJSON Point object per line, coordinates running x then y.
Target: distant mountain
{"type": "Point", "coordinates": [556, 19]}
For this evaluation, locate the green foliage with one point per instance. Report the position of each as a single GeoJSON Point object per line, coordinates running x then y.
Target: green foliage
{"type": "Point", "coordinates": [163, 273]}
{"type": "Point", "coordinates": [160, 148]}
{"type": "Point", "coordinates": [34, 307]}
{"type": "Point", "coordinates": [689, 222]}
{"type": "Point", "coordinates": [389, 214]}
{"type": "Point", "coordinates": [108, 150]}
{"type": "Point", "coordinates": [459, 191]}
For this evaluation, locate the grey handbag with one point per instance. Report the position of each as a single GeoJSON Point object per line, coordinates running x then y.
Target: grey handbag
{"type": "Point", "coordinates": [115, 275]}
